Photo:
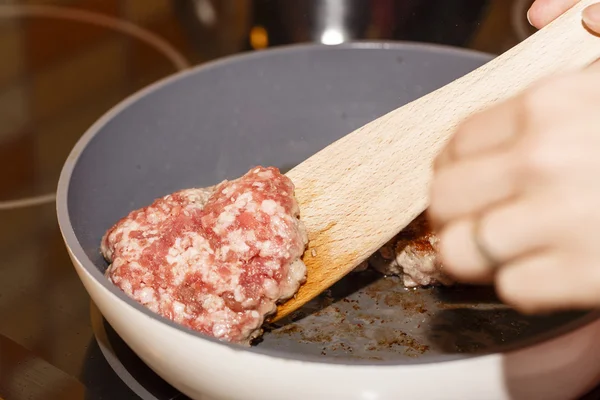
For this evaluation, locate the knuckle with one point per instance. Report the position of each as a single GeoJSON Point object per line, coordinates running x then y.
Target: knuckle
{"type": "Point", "coordinates": [441, 191]}
{"type": "Point", "coordinates": [436, 202]}
{"type": "Point", "coordinates": [534, 99]}
{"type": "Point", "coordinates": [573, 212]}
{"type": "Point", "coordinates": [456, 257]}
{"type": "Point", "coordinates": [444, 250]}
{"type": "Point", "coordinates": [546, 99]}
{"type": "Point", "coordinates": [593, 280]}
{"type": "Point", "coordinates": [508, 290]}
{"type": "Point", "coordinates": [505, 292]}
{"type": "Point", "coordinates": [538, 157]}
{"type": "Point", "coordinates": [522, 304]}
{"type": "Point", "coordinates": [465, 131]}
{"type": "Point", "coordinates": [441, 160]}
{"type": "Point", "coordinates": [447, 254]}
{"type": "Point", "coordinates": [531, 101]}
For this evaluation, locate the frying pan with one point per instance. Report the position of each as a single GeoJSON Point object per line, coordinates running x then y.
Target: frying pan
{"type": "Point", "coordinates": [367, 337]}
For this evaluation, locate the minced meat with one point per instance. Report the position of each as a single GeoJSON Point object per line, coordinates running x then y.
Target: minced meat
{"type": "Point", "coordinates": [217, 260]}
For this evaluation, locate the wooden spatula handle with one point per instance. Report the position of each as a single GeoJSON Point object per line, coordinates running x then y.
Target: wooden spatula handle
{"type": "Point", "coordinates": [357, 193]}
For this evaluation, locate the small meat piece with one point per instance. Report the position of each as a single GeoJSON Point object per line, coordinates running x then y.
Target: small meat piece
{"type": "Point", "coordinates": [412, 255]}
{"type": "Point", "coordinates": [216, 260]}
{"type": "Point", "coordinates": [363, 266]}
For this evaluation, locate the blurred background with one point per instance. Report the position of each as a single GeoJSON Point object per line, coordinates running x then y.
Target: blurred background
{"type": "Point", "coordinates": [63, 63]}
{"type": "Point", "coordinates": [62, 68]}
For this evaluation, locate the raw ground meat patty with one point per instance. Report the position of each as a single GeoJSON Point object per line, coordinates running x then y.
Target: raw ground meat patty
{"type": "Point", "coordinates": [412, 255]}
{"type": "Point", "coordinates": [216, 260]}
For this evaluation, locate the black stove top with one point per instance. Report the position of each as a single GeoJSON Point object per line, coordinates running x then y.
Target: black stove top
{"type": "Point", "coordinates": [140, 380]}
{"type": "Point", "coordinates": [65, 63]}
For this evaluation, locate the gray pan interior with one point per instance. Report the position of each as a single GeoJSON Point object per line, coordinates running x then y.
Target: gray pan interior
{"type": "Point", "coordinates": [278, 108]}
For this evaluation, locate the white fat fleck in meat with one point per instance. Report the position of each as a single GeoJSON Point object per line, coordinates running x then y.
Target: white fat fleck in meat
{"type": "Point", "coordinates": [265, 174]}
{"type": "Point", "coordinates": [166, 256]}
{"type": "Point", "coordinates": [243, 200]}
{"type": "Point", "coordinates": [212, 303]}
{"type": "Point", "coordinates": [126, 287]}
{"type": "Point", "coordinates": [237, 241]}
{"type": "Point", "coordinates": [145, 295]}
{"type": "Point", "coordinates": [178, 308]}
{"type": "Point", "coordinates": [219, 329]}
{"type": "Point", "coordinates": [227, 190]}
{"type": "Point", "coordinates": [271, 288]}
{"type": "Point", "coordinates": [238, 294]}
{"type": "Point", "coordinates": [266, 248]}
{"type": "Point", "coordinates": [296, 276]}
{"type": "Point", "coordinates": [269, 206]}
{"type": "Point", "coordinates": [224, 221]}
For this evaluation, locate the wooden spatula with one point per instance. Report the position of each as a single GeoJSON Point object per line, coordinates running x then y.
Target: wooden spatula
{"type": "Point", "coordinates": [359, 192]}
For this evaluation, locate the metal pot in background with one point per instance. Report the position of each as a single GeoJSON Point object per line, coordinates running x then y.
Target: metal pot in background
{"type": "Point", "coordinates": [215, 27]}
{"type": "Point", "coordinates": [221, 27]}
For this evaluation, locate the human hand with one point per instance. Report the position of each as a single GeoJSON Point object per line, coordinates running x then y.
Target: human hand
{"type": "Point", "coordinates": [516, 196]}
{"type": "Point", "coordinates": [542, 12]}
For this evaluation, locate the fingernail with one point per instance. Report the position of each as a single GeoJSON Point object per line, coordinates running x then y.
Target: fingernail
{"type": "Point", "coordinates": [528, 18]}
{"type": "Point", "coordinates": [591, 15]}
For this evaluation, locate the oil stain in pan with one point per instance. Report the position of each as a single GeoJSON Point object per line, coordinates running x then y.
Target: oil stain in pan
{"type": "Point", "coordinates": [368, 316]}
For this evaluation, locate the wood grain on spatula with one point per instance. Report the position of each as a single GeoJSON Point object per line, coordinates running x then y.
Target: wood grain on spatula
{"type": "Point", "coordinates": [359, 192]}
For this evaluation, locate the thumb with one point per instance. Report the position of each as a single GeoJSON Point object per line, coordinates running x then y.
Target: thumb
{"type": "Point", "coordinates": [591, 17]}
{"type": "Point", "coordinates": [542, 12]}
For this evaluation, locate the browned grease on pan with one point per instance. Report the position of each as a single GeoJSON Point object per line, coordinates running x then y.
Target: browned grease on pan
{"type": "Point", "coordinates": [370, 317]}
{"type": "Point", "coordinates": [366, 326]}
